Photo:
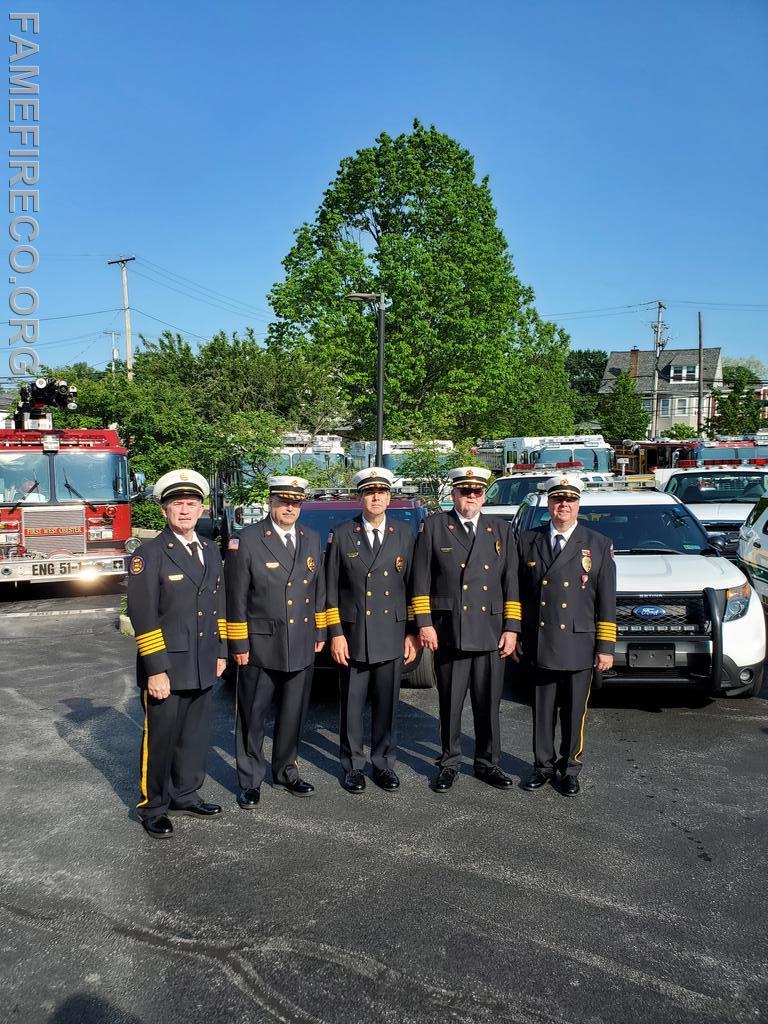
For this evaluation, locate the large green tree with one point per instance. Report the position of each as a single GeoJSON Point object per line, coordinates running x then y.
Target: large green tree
{"type": "Point", "coordinates": [467, 353]}
{"type": "Point", "coordinates": [585, 369]}
{"type": "Point", "coordinates": [738, 411]}
{"type": "Point", "coordinates": [622, 416]}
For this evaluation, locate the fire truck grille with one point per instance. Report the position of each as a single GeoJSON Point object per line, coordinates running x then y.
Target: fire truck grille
{"type": "Point", "coordinates": [54, 531]}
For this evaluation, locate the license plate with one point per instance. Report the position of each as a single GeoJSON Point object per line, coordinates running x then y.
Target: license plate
{"type": "Point", "coordinates": [51, 569]}
{"type": "Point", "coordinates": [658, 656]}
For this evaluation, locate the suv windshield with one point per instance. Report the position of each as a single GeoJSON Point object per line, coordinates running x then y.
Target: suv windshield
{"type": "Point", "coordinates": [323, 520]}
{"type": "Point", "coordinates": [702, 488]}
{"type": "Point", "coordinates": [636, 529]}
{"type": "Point", "coordinates": [24, 478]}
{"type": "Point", "coordinates": [511, 491]}
{"type": "Point", "coordinates": [90, 476]}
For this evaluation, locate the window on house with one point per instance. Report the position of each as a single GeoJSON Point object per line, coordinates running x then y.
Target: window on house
{"type": "Point", "coordinates": [680, 371]}
{"type": "Point", "coordinates": [664, 406]}
{"type": "Point", "coordinates": [681, 407]}
{"type": "Point", "coordinates": [647, 404]}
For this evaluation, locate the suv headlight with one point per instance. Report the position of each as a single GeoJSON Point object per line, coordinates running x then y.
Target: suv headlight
{"type": "Point", "coordinates": [736, 602]}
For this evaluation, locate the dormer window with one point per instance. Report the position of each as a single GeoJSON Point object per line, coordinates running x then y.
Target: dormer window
{"type": "Point", "coordinates": [680, 372]}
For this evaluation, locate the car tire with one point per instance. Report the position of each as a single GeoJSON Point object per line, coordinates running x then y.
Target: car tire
{"type": "Point", "coordinates": [422, 675]}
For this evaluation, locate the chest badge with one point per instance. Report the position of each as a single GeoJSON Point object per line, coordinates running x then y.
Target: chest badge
{"type": "Point", "coordinates": [586, 563]}
{"type": "Point", "coordinates": [352, 554]}
{"type": "Point", "coordinates": [175, 577]}
{"type": "Point", "coordinates": [399, 563]}
{"type": "Point", "coordinates": [272, 565]}
{"type": "Point", "coordinates": [311, 563]}
{"type": "Point", "coordinates": [498, 547]}
{"type": "Point", "coordinates": [531, 565]}
{"type": "Point", "coordinates": [584, 581]}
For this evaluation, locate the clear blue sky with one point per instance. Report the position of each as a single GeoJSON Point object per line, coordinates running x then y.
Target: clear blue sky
{"type": "Point", "coordinates": [625, 144]}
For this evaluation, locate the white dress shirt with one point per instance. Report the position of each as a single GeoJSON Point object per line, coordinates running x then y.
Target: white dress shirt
{"type": "Point", "coordinates": [186, 543]}
{"type": "Point", "coordinates": [369, 528]}
{"type": "Point", "coordinates": [566, 534]}
{"type": "Point", "coordinates": [283, 534]}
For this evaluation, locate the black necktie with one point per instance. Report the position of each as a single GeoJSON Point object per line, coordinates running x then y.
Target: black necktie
{"type": "Point", "coordinates": [290, 545]}
{"type": "Point", "coordinates": [470, 528]}
{"type": "Point", "coordinates": [193, 548]}
{"type": "Point", "coordinates": [558, 543]}
{"type": "Point", "coordinates": [376, 542]}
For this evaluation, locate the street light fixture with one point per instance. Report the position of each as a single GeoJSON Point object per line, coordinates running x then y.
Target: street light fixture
{"type": "Point", "coordinates": [378, 300]}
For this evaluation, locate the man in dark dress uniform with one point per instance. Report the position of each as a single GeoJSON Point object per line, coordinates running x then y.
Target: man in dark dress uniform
{"type": "Point", "coordinates": [275, 626]}
{"type": "Point", "coordinates": [366, 569]}
{"type": "Point", "coordinates": [568, 593]}
{"type": "Point", "coordinates": [466, 607]}
{"type": "Point", "coordinates": [176, 605]}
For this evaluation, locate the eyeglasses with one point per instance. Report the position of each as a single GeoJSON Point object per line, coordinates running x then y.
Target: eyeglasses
{"type": "Point", "coordinates": [471, 490]}
{"type": "Point", "coordinates": [557, 498]}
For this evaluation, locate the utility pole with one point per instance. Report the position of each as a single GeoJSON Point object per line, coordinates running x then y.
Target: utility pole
{"type": "Point", "coordinates": [126, 311]}
{"type": "Point", "coordinates": [115, 353]}
{"type": "Point", "coordinates": [701, 380]}
{"type": "Point", "coordinates": [657, 350]}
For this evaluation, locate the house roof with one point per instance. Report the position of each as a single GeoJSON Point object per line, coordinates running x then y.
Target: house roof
{"type": "Point", "coordinates": [618, 361]}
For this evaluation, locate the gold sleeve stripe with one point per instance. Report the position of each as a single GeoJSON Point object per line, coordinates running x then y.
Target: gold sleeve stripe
{"type": "Point", "coordinates": [320, 620]}
{"type": "Point", "coordinates": [237, 630]}
{"type": "Point", "coordinates": [421, 605]}
{"type": "Point", "coordinates": [332, 617]}
{"type": "Point", "coordinates": [148, 636]}
{"type": "Point", "coordinates": [410, 612]}
{"type": "Point", "coordinates": [513, 610]}
{"type": "Point", "coordinates": [222, 624]}
{"type": "Point", "coordinates": [151, 642]}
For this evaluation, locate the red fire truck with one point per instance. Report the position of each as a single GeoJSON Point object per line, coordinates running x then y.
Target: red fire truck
{"type": "Point", "coordinates": [65, 509]}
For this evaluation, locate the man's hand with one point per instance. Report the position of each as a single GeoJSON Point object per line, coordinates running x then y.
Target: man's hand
{"type": "Point", "coordinates": [507, 642]}
{"type": "Point", "coordinates": [411, 649]}
{"type": "Point", "coordinates": [603, 662]}
{"type": "Point", "coordinates": [340, 650]}
{"type": "Point", "coordinates": [241, 659]}
{"type": "Point", "coordinates": [428, 637]}
{"type": "Point", "coordinates": [518, 655]}
{"type": "Point", "coordinates": [319, 645]}
{"type": "Point", "coordinates": [221, 664]}
{"type": "Point", "coordinates": [159, 686]}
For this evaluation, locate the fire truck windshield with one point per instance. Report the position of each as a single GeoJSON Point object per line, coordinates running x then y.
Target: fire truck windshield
{"type": "Point", "coordinates": [90, 476]}
{"type": "Point", "coordinates": [24, 478]}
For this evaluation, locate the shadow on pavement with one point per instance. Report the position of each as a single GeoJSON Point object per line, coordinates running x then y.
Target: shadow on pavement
{"type": "Point", "coordinates": [85, 1008]}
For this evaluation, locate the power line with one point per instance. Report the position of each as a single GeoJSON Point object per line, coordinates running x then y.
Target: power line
{"type": "Point", "coordinates": [198, 298]}
{"type": "Point", "coordinates": [179, 278]}
{"type": "Point", "coordinates": [72, 316]}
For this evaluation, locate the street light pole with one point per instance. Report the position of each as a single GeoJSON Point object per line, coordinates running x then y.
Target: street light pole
{"type": "Point", "coordinates": [379, 301]}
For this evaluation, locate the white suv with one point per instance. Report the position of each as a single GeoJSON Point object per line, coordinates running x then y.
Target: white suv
{"type": "Point", "coordinates": [753, 549]}
{"type": "Point", "coordinates": [684, 613]}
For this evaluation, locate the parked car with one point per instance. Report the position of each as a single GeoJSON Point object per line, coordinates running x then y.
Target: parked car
{"type": "Point", "coordinates": [753, 549]}
{"type": "Point", "coordinates": [721, 498]}
{"type": "Point", "coordinates": [685, 615]}
{"type": "Point", "coordinates": [504, 495]}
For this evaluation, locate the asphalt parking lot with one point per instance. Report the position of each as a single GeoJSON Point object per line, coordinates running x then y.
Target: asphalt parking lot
{"type": "Point", "coordinates": [643, 900]}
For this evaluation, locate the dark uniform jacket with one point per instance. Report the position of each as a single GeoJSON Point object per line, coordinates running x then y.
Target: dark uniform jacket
{"type": "Point", "coordinates": [569, 602]}
{"type": "Point", "coordinates": [276, 606]}
{"type": "Point", "coordinates": [366, 596]}
{"type": "Point", "coordinates": [177, 608]}
{"type": "Point", "coordinates": [467, 591]}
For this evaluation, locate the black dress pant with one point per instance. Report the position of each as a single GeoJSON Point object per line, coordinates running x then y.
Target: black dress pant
{"type": "Point", "coordinates": [174, 750]}
{"type": "Point", "coordinates": [568, 691]}
{"type": "Point", "coordinates": [257, 689]}
{"type": "Point", "coordinates": [483, 675]}
{"type": "Point", "coordinates": [381, 682]}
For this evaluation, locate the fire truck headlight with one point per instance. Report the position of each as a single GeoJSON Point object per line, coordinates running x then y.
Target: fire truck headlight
{"type": "Point", "coordinates": [41, 383]}
{"type": "Point", "coordinates": [9, 538]}
{"type": "Point", "coordinates": [89, 574]}
{"type": "Point", "coordinates": [132, 543]}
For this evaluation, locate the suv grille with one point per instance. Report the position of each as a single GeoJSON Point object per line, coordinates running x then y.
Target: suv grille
{"type": "Point", "coordinates": [684, 614]}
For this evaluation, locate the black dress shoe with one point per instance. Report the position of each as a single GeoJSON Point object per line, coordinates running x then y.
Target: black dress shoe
{"type": "Point", "coordinates": [160, 827]}
{"type": "Point", "coordinates": [248, 798]}
{"type": "Point", "coordinates": [570, 785]}
{"type": "Point", "coordinates": [199, 810]}
{"type": "Point", "coordinates": [444, 780]}
{"type": "Point", "coordinates": [536, 781]}
{"type": "Point", "coordinates": [298, 787]}
{"type": "Point", "coordinates": [494, 776]}
{"type": "Point", "coordinates": [386, 779]}
{"type": "Point", "coordinates": [354, 781]}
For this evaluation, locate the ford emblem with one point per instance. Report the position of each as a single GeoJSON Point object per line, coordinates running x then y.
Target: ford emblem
{"type": "Point", "coordinates": [648, 612]}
